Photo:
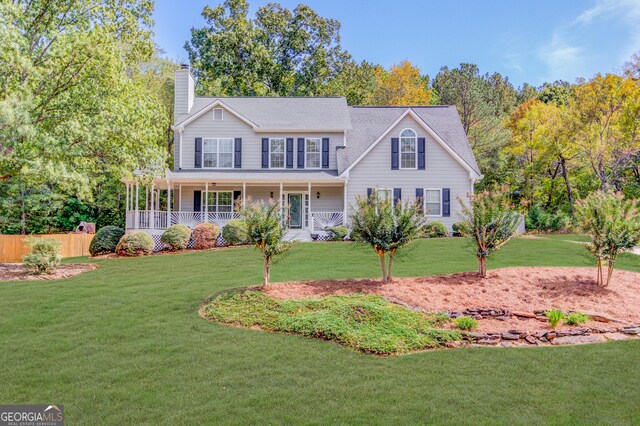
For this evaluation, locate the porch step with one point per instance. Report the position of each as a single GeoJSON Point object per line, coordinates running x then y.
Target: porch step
{"type": "Point", "coordinates": [297, 235]}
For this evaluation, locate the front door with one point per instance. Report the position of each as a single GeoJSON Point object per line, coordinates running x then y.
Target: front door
{"type": "Point", "coordinates": [295, 210]}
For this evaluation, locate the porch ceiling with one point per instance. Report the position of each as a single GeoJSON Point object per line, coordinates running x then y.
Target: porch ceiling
{"type": "Point", "coordinates": [255, 177]}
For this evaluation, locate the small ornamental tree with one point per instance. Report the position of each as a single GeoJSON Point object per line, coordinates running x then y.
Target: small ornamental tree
{"type": "Point", "coordinates": [613, 224]}
{"type": "Point", "coordinates": [490, 222]}
{"type": "Point", "coordinates": [386, 227]}
{"type": "Point", "coordinates": [265, 231]}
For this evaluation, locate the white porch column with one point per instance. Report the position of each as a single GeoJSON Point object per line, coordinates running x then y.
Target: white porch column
{"type": "Point", "coordinates": [309, 217]}
{"type": "Point", "coordinates": [206, 202]}
{"type": "Point", "coordinates": [146, 197]}
{"type": "Point", "coordinates": [244, 194]}
{"type": "Point", "coordinates": [280, 196]}
{"type": "Point", "coordinates": [137, 215]}
{"type": "Point", "coordinates": [168, 203]}
{"type": "Point", "coordinates": [152, 218]}
{"type": "Point", "coordinates": [180, 198]}
{"type": "Point", "coordinates": [158, 199]}
{"type": "Point", "coordinates": [344, 203]}
{"type": "Point", "coordinates": [126, 202]}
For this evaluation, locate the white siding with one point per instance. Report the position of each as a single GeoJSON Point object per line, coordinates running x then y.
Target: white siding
{"type": "Point", "coordinates": [442, 171]}
{"type": "Point", "coordinates": [232, 127]}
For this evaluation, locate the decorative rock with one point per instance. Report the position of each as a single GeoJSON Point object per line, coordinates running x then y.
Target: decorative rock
{"type": "Point", "coordinates": [578, 340]}
{"type": "Point", "coordinates": [502, 318]}
{"type": "Point", "coordinates": [521, 333]}
{"type": "Point", "coordinates": [616, 336]}
{"type": "Point", "coordinates": [510, 336]}
{"type": "Point", "coordinates": [524, 314]}
{"type": "Point", "coordinates": [630, 330]}
{"type": "Point", "coordinates": [507, 344]}
{"type": "Point", "coordinates": [550, 335]}
{"type": "Point", "coordinates": [531, 340]}
{"type": "Point", "coordinates": [492, 342]}
{"type": "Point", "coordinates": [477, 316]}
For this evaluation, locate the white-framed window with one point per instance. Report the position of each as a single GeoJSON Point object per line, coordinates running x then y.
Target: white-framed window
{"type": "Point", "coordinates": [433, 202]}
{"type": "Point", "coordinates": [385, 193]}
{"type": "Point", "coordinates": [220, 202]}
{"type": "Point", "coordinates": [217, 153]}
{"type": "Point", "coordinates": [218, 114]}
{"type": "Point", "coordinates": [408, 149]}
{"type": "Point", "coordinates": [277, 149]}
{"type": "Point", "coordinates": [313, 153]}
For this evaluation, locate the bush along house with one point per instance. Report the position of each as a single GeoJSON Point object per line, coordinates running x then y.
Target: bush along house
{"type": "Point", "coordinates": [312, 155]}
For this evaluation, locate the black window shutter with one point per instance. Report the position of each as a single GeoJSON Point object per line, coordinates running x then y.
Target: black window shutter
{"type": "Point", "coordinates": [301, 153]}
{"type": "Point", "coordinates": [397, 195]}
{"type": "Point", "coordinates": [289, 153]}
{"type": "Point", "coordinates": [197, 201]}
{"type": "Point", "coordinates": [325, 153]}
{"type": "Point", "coordinates": [420, 199]}
{"type": "Point", "coordinates": [238, 153]}
{"type": "Point", "coordinates": [236, 199]}
{"type": "Point", "coordinates": [198, 154]}
{"type": "Point", "coordinates": [421, 149]}
{"type": "Point", "coordinates": [394, 153]}
{"type": "Point", "coordinates": [369, 192]}
{"type": "Point", "coordinates": [446, 202]}
{"type": "Point", "coordinates": [265, 153]}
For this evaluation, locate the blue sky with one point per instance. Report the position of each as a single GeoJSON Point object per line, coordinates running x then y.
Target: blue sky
{"type": "Point", "coordinates": [533, 41]}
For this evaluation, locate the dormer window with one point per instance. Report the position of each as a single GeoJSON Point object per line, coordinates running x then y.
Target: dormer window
{"type": "Point", "coordinates": [408, 143]}
{"type": "Point", "coordinates": [217, 114]}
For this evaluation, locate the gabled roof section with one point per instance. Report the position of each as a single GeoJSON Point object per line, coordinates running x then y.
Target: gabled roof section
{"type": "Point", "coordinates": [372, 124]}
{"type": "Point", "coordinates": [279, 114]}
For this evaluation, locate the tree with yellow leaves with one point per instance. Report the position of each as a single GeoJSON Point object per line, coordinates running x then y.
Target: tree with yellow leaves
{"type": "Point", "coordinates": [401, 85]}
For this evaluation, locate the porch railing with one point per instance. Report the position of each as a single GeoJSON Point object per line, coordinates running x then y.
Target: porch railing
{"type": "Point", "coordinates": [320, 220]}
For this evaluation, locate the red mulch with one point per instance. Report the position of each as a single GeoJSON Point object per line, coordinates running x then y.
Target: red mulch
{"type": "Point", "coordinates": [523, 289]}
{"type": "Point", "coordinates": [15, 271]}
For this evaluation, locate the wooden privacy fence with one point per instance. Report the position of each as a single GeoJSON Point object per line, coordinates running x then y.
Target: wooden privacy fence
{"type": "Point", "coordinates": [13, 247]}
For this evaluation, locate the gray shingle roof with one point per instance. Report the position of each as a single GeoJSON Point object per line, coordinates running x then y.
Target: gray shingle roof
{"type": "Point", "coordinates": [284, 113]}
{"type": "Point", "coordinates": [369, 123]}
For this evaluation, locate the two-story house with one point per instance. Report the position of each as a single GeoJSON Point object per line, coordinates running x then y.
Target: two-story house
{"type": "Point", "coordinates": [312, 155]}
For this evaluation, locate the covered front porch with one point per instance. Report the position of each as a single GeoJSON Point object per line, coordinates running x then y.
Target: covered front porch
{"type": "Point", "coordinates": [156, 204]}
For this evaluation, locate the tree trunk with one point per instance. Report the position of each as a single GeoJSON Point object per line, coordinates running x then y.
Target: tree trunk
{"type": "Point", "coordinates": [609, 273]}
{"type": "Point", "coordinates": [599, 272]}
{"type": "Point", "coordinates": [565, 176]}
{"type": "Point", "coordinates": [389, 276]}
{"type": "Point", "coordinates": [482, 266]}
{"type": "Point", "coordinates": [267, 266]}
{"type": "Point", "coordinates": [383, 266]}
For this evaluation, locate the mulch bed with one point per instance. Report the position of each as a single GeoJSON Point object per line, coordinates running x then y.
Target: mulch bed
{"type": "Point", "coordinates": [15, 272]}
{"type": "Point", "coordinates": [508, 301]}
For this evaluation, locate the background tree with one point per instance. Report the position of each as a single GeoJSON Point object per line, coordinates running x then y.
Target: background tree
{"type": "Point", "coordinates": [265, 231]}
{"type": "Point", "coordinates": [386, 227]}
{"type": "Point", "coordinates": [280, 52]}
{"type": "Point", "coordinates": [401, 85]}
{"type": "Point", "coordinates": [491, 223]}
{"type": "Point", "coordinates": [613, 224]}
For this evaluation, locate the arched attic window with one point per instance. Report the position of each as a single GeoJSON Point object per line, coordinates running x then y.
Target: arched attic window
{"type": "Point", "coordinates": [408, 149]}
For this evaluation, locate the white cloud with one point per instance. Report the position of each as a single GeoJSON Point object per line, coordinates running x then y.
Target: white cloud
{"type": "Point", "coordinates": [566, 56]}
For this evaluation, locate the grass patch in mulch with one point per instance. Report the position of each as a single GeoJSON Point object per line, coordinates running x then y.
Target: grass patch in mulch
{"type": "Point", "coordinates": [367, 323]}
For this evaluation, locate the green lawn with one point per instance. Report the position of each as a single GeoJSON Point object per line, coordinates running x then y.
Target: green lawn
{"type": "Point", "coordinates": [124, 345]}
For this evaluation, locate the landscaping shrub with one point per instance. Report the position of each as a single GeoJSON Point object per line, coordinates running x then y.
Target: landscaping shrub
{"type": "Point", "coordinates": [554, 317]}
{"type": "Point", "coordinates": [337, 233]}
{"type": "Point", "coordinates": [491, 222]}
{"type": "Point", "coordinates": [459, 229]}
{"type": "Point", "coordinates": [105, 240]}
{"type": "Point", "coordinates": [576, 318]}
{"type": "Point", "coordinates": [135, 243]}
{"type": "Point", "coordinates": [205, 236]}
{"type": "Point", "coordinates": [265, 232]}
{"type": "Point", "coordinates": [613, 223]}
{"type": "Point", "coordinates": [540, 219]}
{"type": "Point", "coordinates": [466, 323]}
{"type": "Point", "coordinates": [367, 323]}
{"type": "Point", "coordinates": [436, 230]}
{"type": "Point", "coordinates": [43, 256]}
{"type": "Point", "coordinates": [235, 233]}
{"type": "Point", "coordinates": [177, 236]}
